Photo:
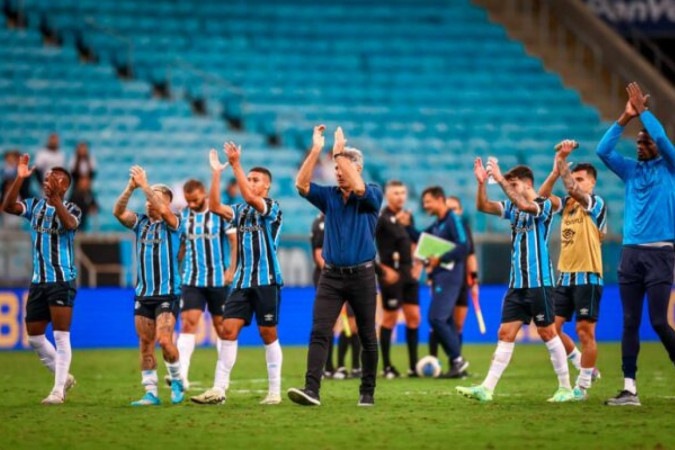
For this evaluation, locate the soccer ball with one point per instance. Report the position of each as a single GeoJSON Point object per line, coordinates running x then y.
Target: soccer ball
{"type": "Point", "coordinates": [428, 367]}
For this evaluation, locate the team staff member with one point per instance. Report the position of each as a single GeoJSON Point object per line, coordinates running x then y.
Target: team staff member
{"type": "Point", "coordinates": [647, 257]}
{"type": "Point", "coordinates": [446, 273]}
{"type": "Point", "coordinates": [351, 210]}
{"type": "Point", "coordinates": [52, 291]}
{"type": "Point", "coordinates": [469, 287]}
{"type": "Point", "coordinates": [394, 248]}
{"type": "Point", "coordinates": [205, 279]}
{"type": "Point", "coordinates": [158, 281]}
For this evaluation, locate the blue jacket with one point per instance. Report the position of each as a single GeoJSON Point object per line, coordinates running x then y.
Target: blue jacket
{"type": "Point", "coordinates": [649, 214]}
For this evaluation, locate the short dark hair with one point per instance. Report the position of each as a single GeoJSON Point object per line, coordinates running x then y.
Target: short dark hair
{"type": "Point", "coordinates": [455, 198]}
{"type": "Point", "coordinates": [63, 171]}
{"type": "Point", "coordinates": [587, 167]}
{"type": "Point", "coordinates": [262, 170]}
{"type": "Point", "coordinates": [393, 183]}
{"type": "Point", "coordinates": [192, 185]}
{"type": "Point", "coordinates": [434, 191]}
{"type": "Point", "coordinates": [520, 173]}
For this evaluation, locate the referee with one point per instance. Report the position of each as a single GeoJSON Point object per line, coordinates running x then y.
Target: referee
{"type": "Point", "coordinates": [351, 209]}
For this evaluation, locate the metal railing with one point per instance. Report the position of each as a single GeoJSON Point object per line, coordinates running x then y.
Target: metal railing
{"type": "Point", "coordinates": [573, 28]}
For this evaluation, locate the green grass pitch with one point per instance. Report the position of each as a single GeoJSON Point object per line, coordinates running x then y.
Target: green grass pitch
{"type": "Point", "coordinates": [409, 413]}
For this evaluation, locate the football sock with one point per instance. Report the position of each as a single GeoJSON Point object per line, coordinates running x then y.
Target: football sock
{"type": "Point", "coordinates": [630, 386]}
{"type": "Point", "coordinates": [274, 358]}
{"type": "Point", "coordinates": [500, 361]}
{"type": "Point", "coordinates": [575, 358]}
{"type": "Point", "coordinates": [173, 369]}
{"type": "Point", "coordinates": [585, 378]}
{"type": "Point", "coordinates": [433, 344]}
{"type": "Point", "coordinates": [227, 356]}
{"type": "Point", "coordinates": [186, 346]}
{"type": "Point", "coordinates": [329, 358]}
{"type": "Point", "coordinates": [149, 381]}
{"type": "Point", "coordinates": [62, 360]}
{"type": "Point", "coordinates": [45, 350]}
{"type": "Point", "coordinates": [559, 360]}
{"type": "Point", "coordinates": [385, 345]}
{"type": "Point", "coordinates": [412, 337]}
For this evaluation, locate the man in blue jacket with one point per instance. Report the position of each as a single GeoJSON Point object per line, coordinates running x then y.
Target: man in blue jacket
{"type": "Point", "coordinates": [647, 257]}
{"type": "Point", "coordinates": [446, 273]}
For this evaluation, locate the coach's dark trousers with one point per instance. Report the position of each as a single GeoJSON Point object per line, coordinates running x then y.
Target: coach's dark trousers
{"type": "Point", "coordinates": [645, 270]}
{"type": "Point", "coordinates": [357, 287]}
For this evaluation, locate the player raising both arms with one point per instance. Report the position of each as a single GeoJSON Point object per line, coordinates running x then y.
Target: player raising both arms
{"type": "Point", "coordinates": [158, 281]}
{"type": "Point", "coordinates": [530, 294]}
{"type": "Point", "coordinates": [256, 287]}
{"type": "Point", "coordinates": [647, 258]}
{"type": "Point", "coordinates": [584, 223]}
{"type": "Point", "coordinates": [205, 279]}
{"type": "Point", "coordinates": [52, 291]}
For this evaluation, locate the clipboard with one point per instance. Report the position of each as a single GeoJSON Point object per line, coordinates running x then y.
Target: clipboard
{"type": "Point", "coordinates": [429, 245]}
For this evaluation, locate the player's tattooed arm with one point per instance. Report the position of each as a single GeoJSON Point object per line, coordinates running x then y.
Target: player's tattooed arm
{"type": "Point", "coordinates": [154, 197]}
{"type": "Point", "coordinates": [573, 188]}
{"type": "Point", "coordinates": [517, 199]}
{"type": "Point", "coordinates": [120, 211]}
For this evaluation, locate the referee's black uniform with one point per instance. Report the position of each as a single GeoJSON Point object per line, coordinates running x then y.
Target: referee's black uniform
{"type": "Point", "coordinates": [348, 275]}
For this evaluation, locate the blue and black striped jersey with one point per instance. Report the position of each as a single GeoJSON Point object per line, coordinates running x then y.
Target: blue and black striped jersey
{"type": "Point", "coordinates": [530, 261]}
{"type": "Point", "coordinates": [53, 250]}
{"type": "Point", "coordinates": [157, 255]}
{"type": "Point", "coordinates": [204, 237]}
{"type": "Point", "coordinates": [258, 241]}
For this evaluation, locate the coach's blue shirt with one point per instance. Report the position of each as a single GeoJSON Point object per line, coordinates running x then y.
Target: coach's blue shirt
{"type": "Point", "coordinates": [649, 214]}
{"type": "Point", "coordinates": [349, 230]}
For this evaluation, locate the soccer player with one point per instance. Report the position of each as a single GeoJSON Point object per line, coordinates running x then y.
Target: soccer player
{"type": "Point", "coordinates": [579, 287]}
{"type": "Point", "coordinates": [395, 248]}
{"type": "Point", "coordinates": [530, 294]}
{"type": "Point", "coordinates": [446, 273]}
{"type": "Point", "coordinates": [158, 281]}
{"type": "Point", "coordinates": [52, 291]}
{"type": "Point", "coordinates": [256, 287]}
{"type": "Point", "coordinates": [647, 257]}
{"type": "Point", "coordinates": [205, 277]}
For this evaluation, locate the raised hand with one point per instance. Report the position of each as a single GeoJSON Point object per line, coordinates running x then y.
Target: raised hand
{"type": "Point", "coordinates": [318, 139]}
{"type": "Point", "coordinates": [493, 169]}
{"type": "Point", "coordinates": [216, 165]}
{"type": "Point", "coordinates": [636, 98]}
{"type": "Point", "coordinates": [339, 142]}
{"type": "Point", "coordinates": [233, 152]}
{"type": "Point", "coordinates": [565, 147]}
{"type": "Point", "coordinates": [22, 170]}
{"type": "Point", "coordinates": [138, 176]}
{"type": "Point", "coordinates": [479, 171]}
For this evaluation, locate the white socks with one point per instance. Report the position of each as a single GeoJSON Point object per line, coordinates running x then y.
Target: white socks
{"type": "Point", "coordinates": [173, 369]}
{"type": "Point", "coordinates": [500, 360]}
{"type": "Point", "coordinates": [62, 360]}
{"type": "Point", "coordinates": [274, 358]}
{"type": "Point", "coordinates": [149, 381]}
{"type": "Point", "coordinates": [585, 378]}
{"type": "Point", "coordinates": [575, 358]}
{"type": "Point", "coordinates": [559, 360]}
{"type": "Point", "coordinates": [45, 350]}
{"type": "Point", "coordinates": [227, 356]}
{"type": "Point", "coordinates": [630, 386]}
{"type": "Point", "coordinates": [186, 345]}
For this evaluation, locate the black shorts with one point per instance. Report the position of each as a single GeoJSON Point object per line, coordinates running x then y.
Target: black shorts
{"type": "Point", "coordinates": [403, 292]}
{"type": "Point", "coordinates": [264, 301]}
{"type": "Point", "coordinates": [213, 298]}
{"type": "Point", "coordinates": [43, 295]}
{"type": "Point", "coordinates": [529, 304]}
{"type": "Point", "coordinates": [153, 306]}
{"type": "Point", "coordinates": [463, 299]}
{"type": "Point", "coordinates": [582, 301]}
